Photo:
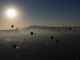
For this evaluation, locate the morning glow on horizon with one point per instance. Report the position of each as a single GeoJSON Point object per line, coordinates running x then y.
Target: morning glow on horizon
{"type": "Point", "coordinates": [42, 12]}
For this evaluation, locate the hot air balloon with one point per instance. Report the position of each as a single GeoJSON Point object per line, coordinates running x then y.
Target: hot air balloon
{"type": "Point", "coordinates": [12, 26]}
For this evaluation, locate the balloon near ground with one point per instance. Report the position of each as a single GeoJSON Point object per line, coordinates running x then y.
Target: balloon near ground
{"type": "Point", "coordinates": [12, 26]}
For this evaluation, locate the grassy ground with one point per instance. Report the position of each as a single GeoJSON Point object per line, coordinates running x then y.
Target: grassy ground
{"type": "Point", "coordinates": [42, 44]}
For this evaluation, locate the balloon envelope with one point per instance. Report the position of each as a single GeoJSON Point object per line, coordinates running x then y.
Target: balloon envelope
{"type": "Point", "coordinates": [12, 26]}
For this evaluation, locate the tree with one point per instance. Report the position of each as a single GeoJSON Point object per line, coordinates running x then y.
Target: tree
{"type": "Point", "coordinates": [17, 28]}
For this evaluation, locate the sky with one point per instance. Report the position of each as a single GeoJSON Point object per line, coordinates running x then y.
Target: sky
{"type": "Point", "coordinates": [41, 12]}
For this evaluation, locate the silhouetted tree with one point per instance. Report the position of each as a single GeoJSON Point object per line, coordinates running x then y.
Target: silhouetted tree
{"type": "Point", "coordinates": [70, 28]}
{"type": "Point", "coordinates": [17, 28]}
{"type": "Point", "coordinates": [14, 46]}
{"type": "Point", "coordinates": [52, 37]}
{"type": "Point", "coordinates": [31, 33]}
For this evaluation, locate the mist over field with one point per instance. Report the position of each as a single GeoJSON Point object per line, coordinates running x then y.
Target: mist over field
{"type": "Point", "coordinates": [44, 43]}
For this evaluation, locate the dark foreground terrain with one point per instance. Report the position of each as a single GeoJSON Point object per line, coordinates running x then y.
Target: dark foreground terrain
{"type": "Point", "coordinates": [38, 44]}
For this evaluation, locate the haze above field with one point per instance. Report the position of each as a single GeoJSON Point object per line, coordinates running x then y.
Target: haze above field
{"type": "Point", "coordinates": [40, 12]}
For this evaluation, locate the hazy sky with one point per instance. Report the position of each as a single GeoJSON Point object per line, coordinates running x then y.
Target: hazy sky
{"type": "Point", "coordinates": [41, 12]}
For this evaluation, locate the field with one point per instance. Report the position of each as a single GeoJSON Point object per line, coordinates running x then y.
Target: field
{"type": "Point", "coordinates": [41, 44]}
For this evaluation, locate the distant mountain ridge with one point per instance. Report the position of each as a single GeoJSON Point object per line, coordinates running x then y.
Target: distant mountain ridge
{"type": "Point", "coordinates": [48, 27]}
{"type": "Point", "coordinates": [37, 26]}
